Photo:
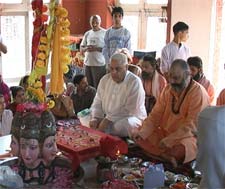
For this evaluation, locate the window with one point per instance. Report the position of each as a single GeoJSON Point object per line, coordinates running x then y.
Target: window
{"type": "Point", "coordinates": [157, 1]}
{"type": "Point", "coordinates": [147, 23]}
{"type": "Point", "coordinates": [11, 1]}
{"type": "Point", "coordinates": [156, 37]}
{"type": "Point", "coordinates": [13, 34]}
{"type": "Point", "coordinates": [16, 31]}
{"type": "Point", "coordinates": [129, 1]}
{"type": "Point", "coordinates": [131, 23]}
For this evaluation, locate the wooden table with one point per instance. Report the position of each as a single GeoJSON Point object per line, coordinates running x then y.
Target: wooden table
{"type": "Point", "coordinates": [83, 143]}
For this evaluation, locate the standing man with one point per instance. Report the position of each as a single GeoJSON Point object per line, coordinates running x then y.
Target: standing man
{"type": "Point", "coordinates": [176, 49]}
{"type": "Point", "coordinates": [116, 37]}
{"type": "Point", "coordinates": [119, 103]}
{"type": "Point", "coordinates": [91, 46]}
{"type": "Point", "coordinates": [196, 67]}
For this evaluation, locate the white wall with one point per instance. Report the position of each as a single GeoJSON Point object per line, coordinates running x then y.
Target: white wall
{"type": "Point", "coordinates": [197, 14]}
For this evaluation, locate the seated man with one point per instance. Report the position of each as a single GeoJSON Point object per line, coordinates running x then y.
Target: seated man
{"type": "Point", "coordinates": [211, 147]}
{"type": "Point", "coordinates": [153, 82]}
{"type": "Point", "coordinates": [83, 95]}
{"type": "Point", "coordinates": [119, 103]}
{"type": "Point", "coordinates": [135, 69]}
{"type": "Point", "coordinates": [196, 67]}
{"type": "Point", "coordinates": [18, 95]}
{"type": "Point", "coordinates": [169, 130]}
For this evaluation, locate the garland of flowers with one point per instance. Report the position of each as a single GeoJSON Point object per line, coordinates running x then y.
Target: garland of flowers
{"type": "Point", "coordinates": [39, 41]}
{"type": "Point", "coordinates": [57, 31]}
{"type": "Point", "coordinates": [60, 52]}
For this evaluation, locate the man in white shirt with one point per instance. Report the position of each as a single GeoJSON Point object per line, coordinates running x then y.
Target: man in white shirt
{"type": "Point", "coordinates": [91, 45]}
{"type": "Point", "coordinates": [119, 104]}
{"type": "Point", "coordinates": [176, 49]}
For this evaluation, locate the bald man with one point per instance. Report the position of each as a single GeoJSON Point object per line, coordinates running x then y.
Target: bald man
{"type": "Point", "coordinates": [119, 103]}
{"type": "Point", "coordinates": [169, 130]}
{"type": "Point", "coordinates": [91, 46]}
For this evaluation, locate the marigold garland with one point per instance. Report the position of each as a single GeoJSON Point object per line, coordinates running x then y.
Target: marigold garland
{"type": "Point", "coordinates": [54, 37]}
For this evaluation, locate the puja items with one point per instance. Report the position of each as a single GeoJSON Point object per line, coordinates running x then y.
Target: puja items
{"type": "Point", "coordinates": [118, 184]}
{"type": "Point", "coordinates": [192, 186]}
{"type": "Point", "coordinates": [135, 161]}
{"type": "Point", "coordinates": [169, 178]}
{"type": "Point", "coordinates": [104, 169]}
{"type": "Point", "coordinates": [154, 176]}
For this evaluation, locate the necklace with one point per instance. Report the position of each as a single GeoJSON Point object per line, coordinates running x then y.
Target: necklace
{"type": "Point", "coordinates": [176, 107]}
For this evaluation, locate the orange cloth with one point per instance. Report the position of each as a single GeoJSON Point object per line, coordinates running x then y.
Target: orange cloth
{"type": "Point", "coordinates": [221, 98]}
{"type": "Point", "coordinates": [208, 87]}
{"type": "Point", "coordinates": [162, 126]}
{"type": "Point", "coordinates": [154, 87]}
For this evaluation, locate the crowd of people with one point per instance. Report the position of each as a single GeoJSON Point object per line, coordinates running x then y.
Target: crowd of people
{"type": "Point", "coordinates": [158, 106]}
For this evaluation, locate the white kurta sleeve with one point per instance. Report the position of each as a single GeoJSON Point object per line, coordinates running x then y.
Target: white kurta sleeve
{"type": "Point", "coordinates": [164, 66]}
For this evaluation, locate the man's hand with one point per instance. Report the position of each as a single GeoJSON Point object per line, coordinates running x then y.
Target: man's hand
{"type": "Point", "coordinates": [135, 134]}
{"type": "Point", "coordinates": [104, 124]}
{"type": "Point", "coordinates": [94, 123]}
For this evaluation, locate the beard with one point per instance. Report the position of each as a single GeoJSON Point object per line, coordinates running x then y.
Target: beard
{"type": "Point", "coordinates": [146, 75]}
{"type": "Point", "coordinates": [178, 86]}
{"type": "Point", "coordinates": [197, 76]}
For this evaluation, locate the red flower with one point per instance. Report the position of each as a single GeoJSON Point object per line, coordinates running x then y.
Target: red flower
{"type": "Point", "coordinates": [20, 108]}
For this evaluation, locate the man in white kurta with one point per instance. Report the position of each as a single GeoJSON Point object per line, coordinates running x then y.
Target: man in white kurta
{"type": "Point", "coordinates": [211, 147]}
{"type": "Point", "coordinates": [119, 103]}
{"type": "Point", "coordinates": [176, 49]}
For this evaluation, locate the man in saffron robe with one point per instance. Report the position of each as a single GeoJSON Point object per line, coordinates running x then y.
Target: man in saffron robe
{"type": "Point", "coordinates": [196, 67]}
{"type": "Point", "coordinates": [169, 130]}
{"type": "Point", "coordinates": [153, 82]}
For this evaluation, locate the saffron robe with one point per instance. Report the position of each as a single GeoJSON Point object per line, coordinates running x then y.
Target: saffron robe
{"type": "Point", "coordinates": [163, 125]}
{"type": "Point", "coordinates": [208, 87]}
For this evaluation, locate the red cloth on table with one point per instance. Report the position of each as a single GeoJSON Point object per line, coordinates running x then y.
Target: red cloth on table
{"type": "Point", "coordinates": [111, 145]}
{"type": "Point", "coordinates": [108, 146]}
